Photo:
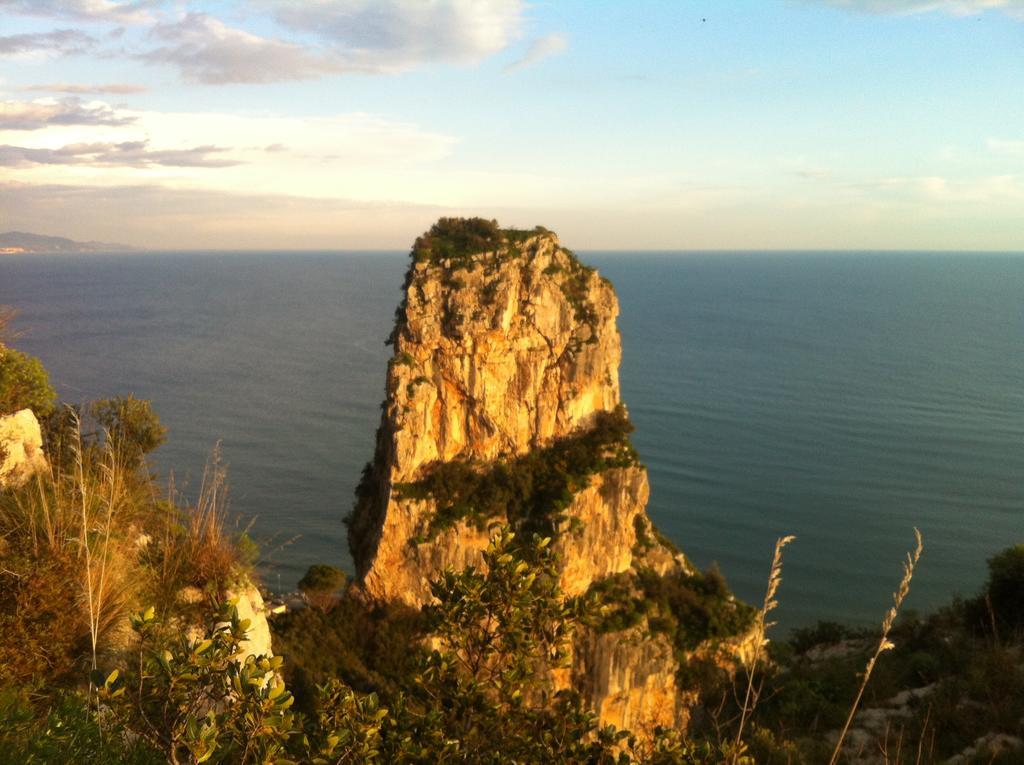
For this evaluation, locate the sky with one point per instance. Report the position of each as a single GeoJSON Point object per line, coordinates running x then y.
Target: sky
{"type": "Point", "coordinates": [354, 124]}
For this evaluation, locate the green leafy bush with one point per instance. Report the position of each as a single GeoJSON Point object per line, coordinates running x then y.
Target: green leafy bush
{"type": "Point", "coordinates": [198, 700]}
{"type": "Point", "coordinates": [321, 583]}
{"type": "Point", "coordinates": [1005, 587]}
{"type": "Point", "coordinates": [130, 423]}
{"type": "Point", "coordinates": [824, 632]}
{"type": "Point", "coordinates": [24, 384]}
{"type": "Point", "coordinates": [368, 647]}
{"type": "Point", "coordinates": [456, 239]}
{"type": "Point", "coordinates": [531, 491]}
{"type": "Point", "coordinates": [689, 608]}
{"type": "Point", "coordinates": [41, 730]}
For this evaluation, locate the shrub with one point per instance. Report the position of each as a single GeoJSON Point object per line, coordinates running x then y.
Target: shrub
{"type": "Point", "coordinates": [38, 730]}
{"type": "Point", "coordinates": [456, 239]}
{"type": "Point", "coordinates": [192, 544]}
{"type": "Point", "coordinates": [131, 425]}
{"type": "Point", "coordinates": [824, 632]}
{"type": "Point", "coordinates": [43, 631]}
{"type": "Point", "coordinates": [69, 571]}
{"type": "Point", "coordinates": [321, 583]}
{"type": "Point", "coordinates": [689, 608]}
{"type": "Point", "coordinates": [24, 384]}
{"type": "Point", "coordinates": [199, 700]}
{"type": "Point", "coordinates": [372, 648]}
{"type": "Point", "coordinates": [1005, 587]}
{"type": "Point", "coordinates": [531, 491]}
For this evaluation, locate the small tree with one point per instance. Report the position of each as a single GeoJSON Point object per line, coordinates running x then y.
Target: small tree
{"type": "Point", "coordinates": [24, 384]}
{"type": "Point", "coordinates": [321, 583]}
{"type": "Point", "coordinates": [1005, 588]}
{"type": "Point", "coordinates": [132, 426]}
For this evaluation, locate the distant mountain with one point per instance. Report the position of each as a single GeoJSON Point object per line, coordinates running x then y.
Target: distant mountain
{"type": "Point", "coordinates": [15, 242]}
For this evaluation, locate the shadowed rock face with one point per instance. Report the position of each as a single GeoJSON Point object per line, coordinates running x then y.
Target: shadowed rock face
{"type": "Point", "coordinates": [503, 355]}
{"type": "Point", "coordinates": [504, 352]}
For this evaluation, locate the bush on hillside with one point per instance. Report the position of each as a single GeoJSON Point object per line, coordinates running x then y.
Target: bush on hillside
{"type": "Point", "coordinates": [130, 423]}
{"type": "Point", "coordinates": [368, 647]}
{"type": "Point", "coordinates": [24, 384]}
{"type": "Point", "coordinates": [320, 584]}
{"type": "Point", "coordinates": [1005, 587]}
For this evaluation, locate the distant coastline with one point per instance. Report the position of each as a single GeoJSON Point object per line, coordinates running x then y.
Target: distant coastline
{"type": "Point", "coordinates": [24, 243]}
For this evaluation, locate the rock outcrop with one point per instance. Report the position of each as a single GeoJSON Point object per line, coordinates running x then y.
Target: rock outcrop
{"type": "Point", "coordinates": [250, 605]}
{"type": "Point", "coordinates": [503, 407]}
{"type": "Point", "coordinates": [21, 449]}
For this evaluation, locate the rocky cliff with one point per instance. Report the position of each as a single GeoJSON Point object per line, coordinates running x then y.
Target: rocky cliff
{"type": "Point", "coordinates": [503, 407]}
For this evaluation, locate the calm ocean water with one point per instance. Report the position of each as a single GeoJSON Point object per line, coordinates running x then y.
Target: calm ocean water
{"type": "Point", "coordinates": [844, 398]}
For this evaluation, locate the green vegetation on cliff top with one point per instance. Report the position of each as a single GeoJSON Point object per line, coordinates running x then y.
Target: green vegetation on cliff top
{"type": "Point", "coordinates": [457, 239]}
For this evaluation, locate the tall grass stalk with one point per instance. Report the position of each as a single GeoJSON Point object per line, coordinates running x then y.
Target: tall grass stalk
{"type": "Point", "coordinates": [761, 628]}
{"type": "Point", "coordinates": [102, 495]}
{"type": "Point", "coordinates": [884, 644]}
{"type": "Point", "coordinates": [85, 547]}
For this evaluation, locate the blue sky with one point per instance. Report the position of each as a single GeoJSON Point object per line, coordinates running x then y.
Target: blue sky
{"type": "Point", "coordinates": [839, 124]}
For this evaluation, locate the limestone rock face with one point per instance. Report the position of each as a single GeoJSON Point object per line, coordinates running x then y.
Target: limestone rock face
{"type": "Point", "coordinates": [631, 680]}
{"type": "Point", "coordinates": [508, 352]}
{"type": "Point", "coordinates": [21, 449]}
{"type": "Point", "coordinates": [502, 356]}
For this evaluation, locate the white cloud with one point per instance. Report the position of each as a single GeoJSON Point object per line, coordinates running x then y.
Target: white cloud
{"type": "Point", "coordinates": [940, 190]}
{"type": "Point", "coordinates": [136, 154]}
{"type": "Point", "coordinates": [83, 10]}
{"type": "Point", "coordinates": [540, 48]}
{"type": "Point", "coordinates": [111, 88]}
{"type": "Point", "coordinates": [355, 155]}
{"type": "Point", "coordinates": [390, 35]}
{"type": "Point", "coordinates": [1013, 8]}
{"type": "Point", "coordinates": [382, 36]}
{"type": "Point", "coordinates": [206, 50]}
{"type": "Point", "coordinates": [35, 115]}
{"type": "Point", "coordinates": [315, 38]}
{"type": "Point", "coordinates": [59, 42]}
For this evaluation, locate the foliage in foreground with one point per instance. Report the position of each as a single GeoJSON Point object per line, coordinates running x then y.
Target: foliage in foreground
{"type": "Point", "coordinates": [483, 694]}
{"type": "Point", "coordinates": [86, 541]}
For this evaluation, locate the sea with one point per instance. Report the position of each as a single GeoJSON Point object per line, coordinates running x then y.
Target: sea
{"type": "Point", "coordinates": [842, 397]}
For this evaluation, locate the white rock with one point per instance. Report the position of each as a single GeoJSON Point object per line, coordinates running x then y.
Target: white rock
{"type": "Point", "coordinates": [21, 449]}
{"type": "Point", "coordinates": [250, 606]}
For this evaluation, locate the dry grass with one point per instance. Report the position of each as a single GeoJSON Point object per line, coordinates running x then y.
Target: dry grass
{"type": "Point", "coordinates": [91, 536]}
{"type": "Point", "coordinates": [74, 521]}
{"type": "Point", "coordinates": [761, 627]}
{"type": "Point", "coordinates": [197, 547]}
{"type": "Point", "coordinates": [884, 644]}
